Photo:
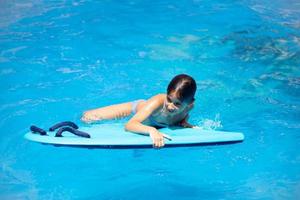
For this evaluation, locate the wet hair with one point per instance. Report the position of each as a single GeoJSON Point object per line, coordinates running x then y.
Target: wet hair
{"type": "Point", "coordinates": [183, 86]}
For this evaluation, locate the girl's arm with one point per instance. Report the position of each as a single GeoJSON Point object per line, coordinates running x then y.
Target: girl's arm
{"type": "Point", "coordinates": [183, 123]}
{"type": "Point", "coordinates": [135, 123]}
{"type": "Point", "coordinates": [108, 112]}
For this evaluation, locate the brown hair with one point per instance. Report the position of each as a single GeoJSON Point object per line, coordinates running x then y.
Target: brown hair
{"type": "Point", "coordinates": [183, 86]}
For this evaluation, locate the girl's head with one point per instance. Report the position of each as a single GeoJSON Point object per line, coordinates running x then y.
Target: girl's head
{"type": "Point", "coordinates": [181, 91]}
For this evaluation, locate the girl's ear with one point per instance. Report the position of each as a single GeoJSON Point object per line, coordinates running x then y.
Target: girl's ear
{"type": "Point", "coordinates": [191, 105]}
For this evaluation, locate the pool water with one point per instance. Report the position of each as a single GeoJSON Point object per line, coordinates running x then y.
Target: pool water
{"type": "Point", "coordinates": [60, 58]}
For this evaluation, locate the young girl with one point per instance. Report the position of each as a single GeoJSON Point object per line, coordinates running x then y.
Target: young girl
{"type": "Point", "coordinates": [161, 110]}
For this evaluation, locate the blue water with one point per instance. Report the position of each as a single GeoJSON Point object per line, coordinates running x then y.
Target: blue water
{"type": "Point", "coordinates": [60, 58]}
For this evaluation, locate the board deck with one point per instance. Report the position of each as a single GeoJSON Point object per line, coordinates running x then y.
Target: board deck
{"type": "Point", "coordinates": [114, 136]}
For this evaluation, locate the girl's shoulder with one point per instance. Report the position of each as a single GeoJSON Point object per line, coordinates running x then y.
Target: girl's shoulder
{"type": "Point", "coordinates": [157, 101]}
{"type": "Point", "coordinates": [159, 98]}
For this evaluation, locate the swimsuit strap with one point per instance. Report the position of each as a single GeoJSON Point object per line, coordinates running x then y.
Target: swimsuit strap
{"type": "Point", "coordinates": [134, 105]}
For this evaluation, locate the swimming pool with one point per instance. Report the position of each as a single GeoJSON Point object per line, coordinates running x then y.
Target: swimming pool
{"type": "Point", "coordinates": [58, 59]}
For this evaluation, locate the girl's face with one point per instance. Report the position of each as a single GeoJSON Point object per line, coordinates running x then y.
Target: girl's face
{"type": "Point", "coordinates": [175, 105]}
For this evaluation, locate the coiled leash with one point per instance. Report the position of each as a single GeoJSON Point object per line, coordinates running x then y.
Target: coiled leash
{"type": "Point", "coordinates": [63, 127]}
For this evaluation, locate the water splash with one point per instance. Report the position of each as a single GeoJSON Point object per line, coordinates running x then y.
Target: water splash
{"type": "Point", "coordinates": [209, 124]}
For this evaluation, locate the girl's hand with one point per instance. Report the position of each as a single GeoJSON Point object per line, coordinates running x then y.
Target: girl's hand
{"type": "Point", "coordinates": [184, 123]}
{"type": "Point", "coordinates": [158, 138]}
{"type": "Point", "coordinates": [88, 117]}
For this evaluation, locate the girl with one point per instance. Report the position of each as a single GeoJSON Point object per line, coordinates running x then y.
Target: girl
{"type": "Point", "coordinates": [161, 110]}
